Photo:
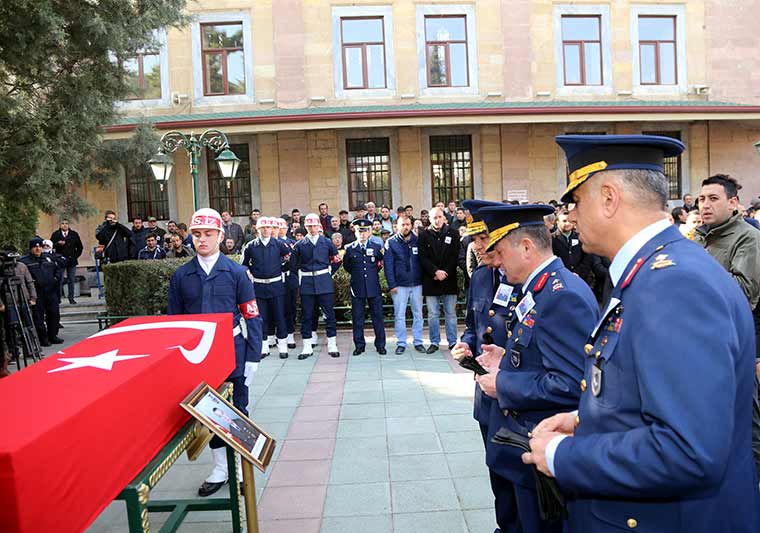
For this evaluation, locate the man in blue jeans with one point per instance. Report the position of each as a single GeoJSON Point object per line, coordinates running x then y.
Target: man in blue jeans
{"type": "Point", "coordinates": [439, 251]}
{"type": "Point", "coordinates": [401, 264]}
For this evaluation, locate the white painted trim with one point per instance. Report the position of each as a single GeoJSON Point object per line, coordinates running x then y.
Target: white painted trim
{"type": "Point", "coordinates": [390, 59]}
{"type": "Point", "coordinates": [165, 100]}
{"type": "Point", "coordinates": [679, 11]}
{"type": "Point", "coordinates": [195, 29]}
{"type": "Point", "coordinates": [602, 10]}
{"type": "Point", "coordinates": [472, 48]}
{"type": "Point", "coordinates": [477, 162]}
{"type": "Point", "coordinates": [393, 153]}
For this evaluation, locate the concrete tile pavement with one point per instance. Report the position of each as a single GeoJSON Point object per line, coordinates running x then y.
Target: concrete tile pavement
{"type": "Point", "coordinates": [369, 443]}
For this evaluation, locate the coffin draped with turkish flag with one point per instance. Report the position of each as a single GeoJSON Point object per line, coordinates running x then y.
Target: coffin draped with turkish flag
{"type": "Point", "coordinates": [78, 426]}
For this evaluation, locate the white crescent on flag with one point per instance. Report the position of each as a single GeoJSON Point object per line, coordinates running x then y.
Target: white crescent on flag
{"type": "Point", "coordinates": [195, 355]}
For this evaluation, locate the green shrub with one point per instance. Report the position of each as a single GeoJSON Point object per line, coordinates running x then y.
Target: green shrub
{"type": "Point", "coordinates": [136, 288]}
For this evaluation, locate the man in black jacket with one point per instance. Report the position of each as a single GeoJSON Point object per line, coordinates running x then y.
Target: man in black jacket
{"type": "Point", "coordinates": [66, 242]}
{"type": "Point", "coordinates": [114, 238]}
{"type": "Point", "coordinates": [567, 246]}
{"type": "Point", "coordinates": [439, 251]}
{"type": "Point", "coordinates": [139, 233]}
{"type": "Point", "coordinates": [45, 271]}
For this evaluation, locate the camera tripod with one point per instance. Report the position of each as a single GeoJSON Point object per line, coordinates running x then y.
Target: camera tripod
{"type": "Point", "coordinates": [19, 321]}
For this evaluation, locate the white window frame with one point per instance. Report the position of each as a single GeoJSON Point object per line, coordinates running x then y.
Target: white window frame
{"type": "Point", "coordinates": [386, 12]}
{"type": "Point", "coordinates": [472, 48]}
{"type": "Point", "coordinates": [165, 100]}
{"type": "Point", "coordinates": [209, 18]}
{"type": "Point", "coordinates": [602, 11]}
{"type": "Point", "coordinates": [669, 10]}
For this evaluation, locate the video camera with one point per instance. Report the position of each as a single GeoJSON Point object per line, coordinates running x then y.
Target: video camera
{"type": "Point", "coordinates": [8, 259]}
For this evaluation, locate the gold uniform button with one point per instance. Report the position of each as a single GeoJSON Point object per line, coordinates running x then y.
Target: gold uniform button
{"type": "Point", "coordinates": [489, 329]}
{"type": "Point", "coordinates": [583, 385]}
{"type": "Point", "coordinates": [491, 312]}
{"type": "Point", "coordinates": [577, 421]}
{"type": "Point", "coordinates": [632, 523]}
{"type": "Point", "coordinates": [588, 349]}
{"type": "Point", "coordinates": [509, 334]}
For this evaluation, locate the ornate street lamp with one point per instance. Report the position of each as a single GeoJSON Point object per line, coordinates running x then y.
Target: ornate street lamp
{"type": "Point", "coordinates": [162, 164]}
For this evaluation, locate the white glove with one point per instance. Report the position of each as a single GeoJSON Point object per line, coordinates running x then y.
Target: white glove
{"type": "Point", "coordinates": [249, 371]}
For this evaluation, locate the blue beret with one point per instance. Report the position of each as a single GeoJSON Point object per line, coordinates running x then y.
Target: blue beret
{"type": "Point", "coordinates": [589, 154]}
{"type": "Point", "coordinates": [502, 219]}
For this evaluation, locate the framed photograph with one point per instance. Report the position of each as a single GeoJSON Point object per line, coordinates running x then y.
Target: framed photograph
{"type": "Point", "coordinates": [232, 426]}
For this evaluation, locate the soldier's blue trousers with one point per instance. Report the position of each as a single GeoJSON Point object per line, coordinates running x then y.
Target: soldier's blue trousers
{"type": "Point", "coordinates": [308, 304]}
{"type": "Point", "coordinates": [273, 315]}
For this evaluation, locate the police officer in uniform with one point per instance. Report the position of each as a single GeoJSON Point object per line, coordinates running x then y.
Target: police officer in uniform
{"type": "Point", "coordinates": [485, 324]}
{"type": "Point", "coordinates": [363, 260]}
{"type": "Point", "coordinates": [662, 437]}
{"type": "Point", "coordinates": [47, 275]}
{"type": "Point", "coordinates": [213, 283]}
{"type": "Point", "coordinates": [264, 257]}
{"type": "Point", "coordinates": [316, 258]}
{"type": "Point", "coordinates": [542, 361]}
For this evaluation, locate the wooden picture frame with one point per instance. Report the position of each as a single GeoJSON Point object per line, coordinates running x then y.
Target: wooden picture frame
{"type": "Point", "coordinates": [224, 420]}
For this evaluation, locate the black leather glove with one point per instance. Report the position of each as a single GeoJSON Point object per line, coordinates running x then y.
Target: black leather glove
{"type": "Point", "coordinates": [551, 502]}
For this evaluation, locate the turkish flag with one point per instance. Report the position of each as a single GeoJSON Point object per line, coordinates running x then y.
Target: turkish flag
{"type": "Point", "coordinates": [81, 424]}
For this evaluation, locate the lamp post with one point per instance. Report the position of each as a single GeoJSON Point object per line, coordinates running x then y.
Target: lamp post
{"type": "Point", "coordinates": [162, 164]}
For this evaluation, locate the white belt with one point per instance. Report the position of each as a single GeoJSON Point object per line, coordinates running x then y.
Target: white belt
{"type": "Point", "coordinates": [268, 280]}
{"type": "Point", "coordinates": [240, 329]}
{"type": "Point", "coordinates": [315, 273]}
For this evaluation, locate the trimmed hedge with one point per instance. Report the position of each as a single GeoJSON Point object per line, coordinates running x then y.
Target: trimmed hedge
{"type": "Point", "coordinates": [135, 288]}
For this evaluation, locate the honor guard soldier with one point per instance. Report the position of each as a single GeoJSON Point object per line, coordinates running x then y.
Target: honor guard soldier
{"type": "Point", "coordinates": [264, 257]}
{"type": "Point", "coordinates": [543, 355]}
{"type": "Point", "coordinates": [662, 437]}
{"type": "Point", "coordinates": [315, 258]}
{"type": "Point", "coordinates": [213, 283]}
{"type": "Point", "coordinates": [363, 260]}
{"type": "Point", "coordinates": [490, 298]}
{"type": "Point", "coordinates": [291, 287]}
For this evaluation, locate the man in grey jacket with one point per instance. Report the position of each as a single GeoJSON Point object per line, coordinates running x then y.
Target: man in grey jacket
{"type": "Point", "coordinates": [736, 246]}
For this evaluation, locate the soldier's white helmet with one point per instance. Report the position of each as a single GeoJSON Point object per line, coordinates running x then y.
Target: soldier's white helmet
{"type": "Point", "coordinates": [206, 218]}
{"type": "Point", "coordinates": [264, 222]}
{"type": "Point", "coordinates": [311, 220]}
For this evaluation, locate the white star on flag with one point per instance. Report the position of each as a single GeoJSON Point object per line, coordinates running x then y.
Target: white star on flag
{"type": "Point", "coordinates": [104, 361]}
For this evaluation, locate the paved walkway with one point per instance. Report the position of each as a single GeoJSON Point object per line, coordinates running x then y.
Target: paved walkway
{"type": "Point", "coordinates": [364, 444]}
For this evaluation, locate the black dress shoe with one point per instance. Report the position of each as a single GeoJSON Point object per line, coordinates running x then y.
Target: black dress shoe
{"type": "Point", "coordinates": [284, 355]}
{"type": "Point", "coordinates": [72, 302]}
{"type": "Point", "coordinates": [56, 340]}
{"type": "Point", "coordinates": [400, 350]}
{"type": "Point", "coordinates": [207, 489]}
{"type": "Point", "coordinates": [334, 354]}
{"type": "Point", "coordinates": [303, 356]}
{"type": "Point", "coordinates": [432, 348]}
{"type": "Point", "coordinates": [292, 346]}
{"type": "Point", "coordinates": [44, 343]}
{"type": "Point", "coordinates": [382, 351]}
{"type": "Point", "coordinates": [420, 348]}
{"type": "Point", "coordinates": [358, 351]}
{"type": "Point", "coordinates": [451, 346]}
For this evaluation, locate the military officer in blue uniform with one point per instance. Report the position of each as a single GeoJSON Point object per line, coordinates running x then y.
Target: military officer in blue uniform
{"type": "Point", "coordinates": [213, 283]}
{"type": "Point", "coordinates": [662, 438]}
{"type": "Point", "coordinates": [485, 324]}
{"type": "Point", "coordinates": [316, 258]}
{"type": "Point", "coordinates": [264, 257]}
{"type": "Point", "coordinates": [47, 275]}
{"type": "Point", "coordinates": [542, 361]}
{"type": "Point", "coordinates": [363, 260]}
